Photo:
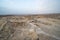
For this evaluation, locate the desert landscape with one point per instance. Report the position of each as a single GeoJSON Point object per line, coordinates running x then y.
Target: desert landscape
{"type": "Point", "coordinates": [30, 27]}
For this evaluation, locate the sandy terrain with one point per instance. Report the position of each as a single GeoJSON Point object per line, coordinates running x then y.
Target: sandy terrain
{"type": "Point", "coordinates": [32, 27]}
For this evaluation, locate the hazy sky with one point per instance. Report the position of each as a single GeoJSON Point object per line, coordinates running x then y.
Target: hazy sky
{"type": "Point", "coordinates": [29, 6]}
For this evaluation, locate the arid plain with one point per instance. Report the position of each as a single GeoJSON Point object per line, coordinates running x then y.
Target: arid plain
{"type": "Point", "coordinates": [30, 27]}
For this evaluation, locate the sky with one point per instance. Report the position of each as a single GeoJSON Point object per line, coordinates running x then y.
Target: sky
{"type": "Point", "coordinates": [29, 6]}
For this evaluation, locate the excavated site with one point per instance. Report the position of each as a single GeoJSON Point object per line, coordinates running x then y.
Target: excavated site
{"type": "Point", "coordinates": [32, 27]}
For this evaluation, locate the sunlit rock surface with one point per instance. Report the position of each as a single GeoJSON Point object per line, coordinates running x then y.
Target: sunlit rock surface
{"type": "Point", "coordinates": [30, 27]}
